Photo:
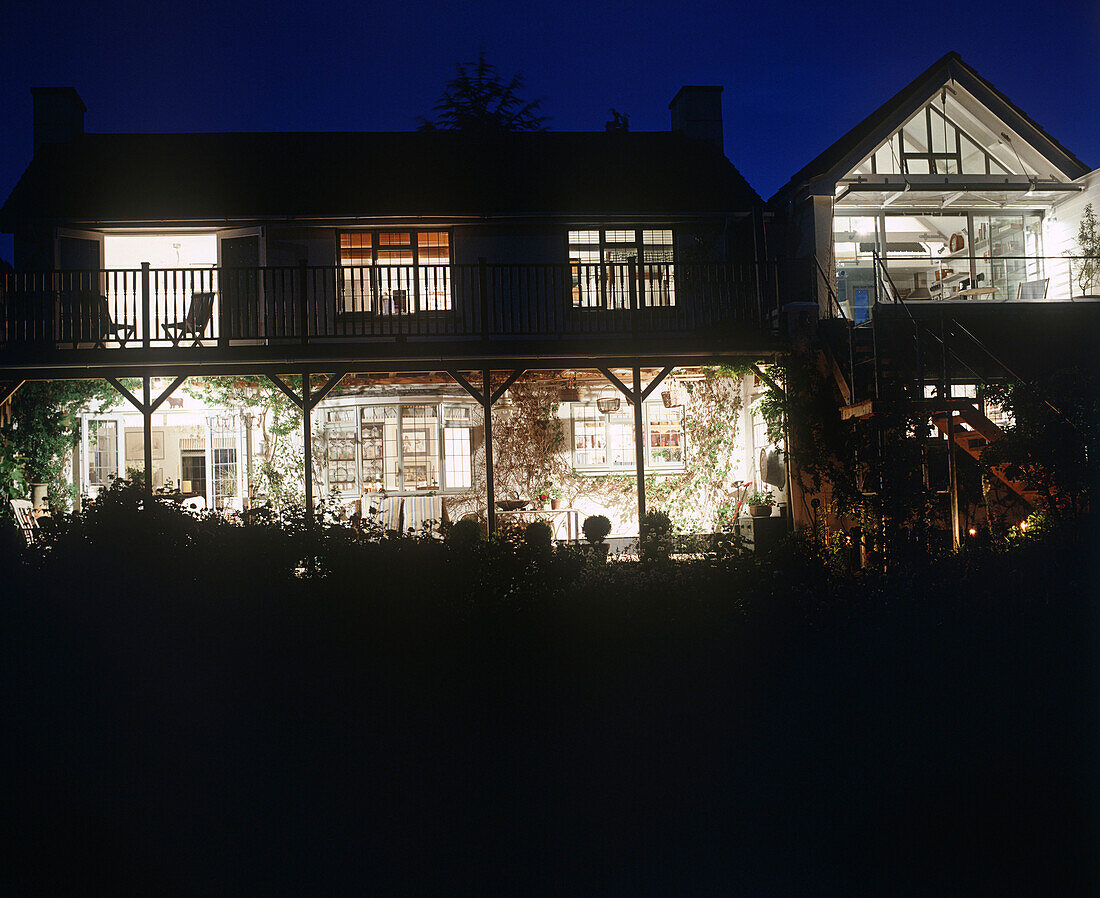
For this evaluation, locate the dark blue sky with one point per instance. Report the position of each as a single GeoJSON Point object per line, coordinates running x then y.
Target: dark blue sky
{"type": "Point", "coordinates": [797, 75]}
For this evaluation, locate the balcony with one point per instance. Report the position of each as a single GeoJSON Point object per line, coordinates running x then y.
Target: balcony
{"type": "Point", "coordinates": [300, 313]}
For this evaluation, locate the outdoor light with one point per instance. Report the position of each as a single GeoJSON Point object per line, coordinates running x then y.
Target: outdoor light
{"type": "Point", "coordinates": [972, 532]}
{"type": "Point", "coordinates": [1023, 525]}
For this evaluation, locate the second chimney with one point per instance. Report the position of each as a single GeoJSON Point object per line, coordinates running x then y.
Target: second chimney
{"type": "Point", "coordinates": [58, 115]}
{"type": "Point", "coordinates": [697, 112]}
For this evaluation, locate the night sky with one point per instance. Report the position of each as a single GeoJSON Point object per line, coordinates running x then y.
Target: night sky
{"type": "Point", "coordinates": [796, 75]}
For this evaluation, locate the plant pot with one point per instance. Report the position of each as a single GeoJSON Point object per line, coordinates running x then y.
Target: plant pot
{"type": "Point", "coordinates": [39, 493]}
{"type": "Point", "coordinates": [760, 511]}
{"type": "Point", "coordinates": [555, 504]}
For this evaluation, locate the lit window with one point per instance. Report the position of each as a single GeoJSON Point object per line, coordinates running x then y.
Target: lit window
{"type": "Point", "coordinates": [606, 442]}
{"type": "Point", "coordinates": [602, 262]}
{"type": "Point", "coordinates": [395, 272]}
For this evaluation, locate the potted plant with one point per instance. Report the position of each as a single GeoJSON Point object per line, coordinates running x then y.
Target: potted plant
{"type": "Point", "coordinates": [760, 503]}
{"type": "Point", "coordinates": [595, 528]}
{"type": "Point", "coordinates": [1085, 259]}
{"type": "Point", "coordinates": [555, 497]}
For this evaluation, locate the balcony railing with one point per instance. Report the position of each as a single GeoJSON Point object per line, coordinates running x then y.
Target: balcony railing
{"type": "Point", "coordinates": [970, 278]}
{"type": "Point", "coordinates": [146, 307]}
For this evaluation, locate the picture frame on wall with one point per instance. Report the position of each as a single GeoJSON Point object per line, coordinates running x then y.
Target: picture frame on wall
{"type": "Point", "coordinates": [135, 444]}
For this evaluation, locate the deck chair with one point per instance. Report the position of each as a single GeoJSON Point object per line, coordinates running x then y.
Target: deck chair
{"type": "Point", "coordinates": [95, 324]}
{"type": "Point", "coordinates": [24, 517]}
{"type": "Point", "coordinates": [195, 322]}
{"type": "Point", "coordinates": [425, 513]}
{"type": "Point", "coordinates": [1030, 290]}
{"type": "Point", "coordinates": [389, 513]}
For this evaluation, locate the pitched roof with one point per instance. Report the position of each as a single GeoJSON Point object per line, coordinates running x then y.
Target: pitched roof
{"type": "Point", "coordinates": [209, 177]}
{"type": "Point", "coordinates": [847, 152]}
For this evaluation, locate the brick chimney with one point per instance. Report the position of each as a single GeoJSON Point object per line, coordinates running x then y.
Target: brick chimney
{"type": "Point", "coordinates": [697, 112]}
{"type": "Point", "coordinates": [58, 115]}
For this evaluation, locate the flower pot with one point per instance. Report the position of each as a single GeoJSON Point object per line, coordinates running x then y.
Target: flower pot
{"type": "Point", "coordinates": [760, 511]}
{"type": "Point", "coordinates": [555, 504]}
{"type": "Point", "coordinates": [39, 492]}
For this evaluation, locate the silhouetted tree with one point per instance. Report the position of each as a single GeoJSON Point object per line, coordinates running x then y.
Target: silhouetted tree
{"type": "Point", "coordinates": [479, 100]}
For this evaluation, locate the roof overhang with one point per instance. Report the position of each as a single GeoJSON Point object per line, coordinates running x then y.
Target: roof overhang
{"type": "Point", "coordinates": [943, 191]}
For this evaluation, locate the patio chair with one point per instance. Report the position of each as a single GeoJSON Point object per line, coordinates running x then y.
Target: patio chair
{"type": "Point", "coordinates": [195, 504]}
{"type": "Point", "coordinates": [24, 517]}
{"type": "Point", "coordinates": [195, 322]}
{"type": "Point", "coordinates": [425, 513]}
{"type": "Point", "coordinates": [1030, 290]}
{"type": "Point", "coordinates": [389, 513]}
{"type": "Point", "coordinates": [94, 322]}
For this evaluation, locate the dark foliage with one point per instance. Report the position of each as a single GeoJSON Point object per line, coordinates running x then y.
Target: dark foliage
{"type": "Point", "coordinates": [199, 707]}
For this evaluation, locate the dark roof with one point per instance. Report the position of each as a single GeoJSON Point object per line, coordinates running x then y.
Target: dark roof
{"type": "Point", "coordinates": [850, 149]}
{"type": "Point", "coordinates": [192, 177]}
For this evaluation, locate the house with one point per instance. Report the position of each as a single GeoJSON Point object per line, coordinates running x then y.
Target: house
{"type": "Point", "coordinates": [942, 230]}
{"type": "Point", "coordinates": [412, 280]}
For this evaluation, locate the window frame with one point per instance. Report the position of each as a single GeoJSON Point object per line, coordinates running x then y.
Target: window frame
{"type": "Point", "coordinates": [394, 460]}
{"type": "Point", "coordinates": [648, 421]}
{"type": "Point", "coordinates": [611, 289]}
{"type": "Point", "coordinates": [377, 298]}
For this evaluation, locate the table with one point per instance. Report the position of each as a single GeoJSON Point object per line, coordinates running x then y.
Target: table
{"type": "Point", "coordinates": [571, 517]}
{"type": "Point", "coordinates": [972, 291]}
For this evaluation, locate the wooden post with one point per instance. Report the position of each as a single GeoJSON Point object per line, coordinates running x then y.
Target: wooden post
{"type": "Point", "coordinates": [146, 317]}
{"type": "Point", "coordinates": [952, 461]}
{"type": "Point", "coordinates": [307, 446]}
{"type": "Point", "coordinates": [303, 302]}
{"type": "Point", "coordinates": [483, 300]}
{"type": "Point", "coordinates": [487, 413]}
{"type": "Point", "coordinates": [639, 445]}
{"type": "Point", "coordinates": [147, 422]}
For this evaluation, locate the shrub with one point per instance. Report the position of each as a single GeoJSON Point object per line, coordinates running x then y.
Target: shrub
{"type": "Point", "coordinates": [655, 537]}
{"type": "Point", "coordinates": [464, 534]}
{"type": "Point", "coordinates": [596, 527]}
{"type": "Point", "coordinates": [537, 537]}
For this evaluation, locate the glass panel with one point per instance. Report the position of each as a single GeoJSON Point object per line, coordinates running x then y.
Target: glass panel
{"type": "Point", "coordinates": [620, 236]}
{"type": "Point", "coordinates": [657, 237]}
{"type": "Point", "coordinates": [456, 457]}
{"type": "Point", "coordinates": [102, 452]}
{"type": "Point", "coordinates": [584, 237]}
{"type": "Point", "coordinates": [392, 238]}
{"type": "Point", "coordinates": [588, 437]}
{"type": "Point", "coordinates": [341, 457]}
{"type": "Point", "coordinates": [419, 447]}
{"type": "Point", "coordinates": [665, 435]}
{"type": "Point", "coordinates": [620, 440]}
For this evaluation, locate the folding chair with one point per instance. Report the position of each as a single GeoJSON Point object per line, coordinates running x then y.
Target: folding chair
{"type": "Point", "coordinates": [195, 322]}
{"type": "Point", "coordinates": [24, 517]}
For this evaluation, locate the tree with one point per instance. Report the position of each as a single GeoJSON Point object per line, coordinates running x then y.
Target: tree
{"type": "Point", "coordinates": [1051, 444]}
{"type": "Point", "coordinates": [44, 428]}
{"type": "Point", "coordinates": [1086, 257]}
{"type": "Point", "coordinates": [479, 101]}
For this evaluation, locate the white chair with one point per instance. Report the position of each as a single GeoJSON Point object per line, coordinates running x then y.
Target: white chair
{"type": "Point", "coordinates": [195, 504]}
{"type": "Point", "coordinates": [24, 517]}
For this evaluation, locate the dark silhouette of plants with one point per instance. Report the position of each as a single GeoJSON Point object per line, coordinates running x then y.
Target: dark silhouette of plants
{"type": "Point", "coordinates": [479, 101]}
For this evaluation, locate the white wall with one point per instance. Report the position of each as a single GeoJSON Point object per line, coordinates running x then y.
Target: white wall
{"type": "Point", "coordinates": [1060, 233]}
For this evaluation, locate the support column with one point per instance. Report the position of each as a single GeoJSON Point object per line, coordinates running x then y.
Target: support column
{"type": "Point", "coordinates": [307, 446]}
{"type": "Point", "coordinates": [147, 423]}
{"type": "Point", "coordinates": [639, 445]}
{"type": "Point", "coordinates": [487, 413]}
{"type": "Point", "coordinates": [952, 460]}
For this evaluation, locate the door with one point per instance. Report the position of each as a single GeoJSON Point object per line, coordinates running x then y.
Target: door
{"type": "Point", "coordinates": [240, 256]}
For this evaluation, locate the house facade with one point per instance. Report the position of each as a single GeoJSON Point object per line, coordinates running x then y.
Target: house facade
{"type": "Point", "coordinates": [412, 281]}
{"type": "Point", "coordinates": [943, 232]}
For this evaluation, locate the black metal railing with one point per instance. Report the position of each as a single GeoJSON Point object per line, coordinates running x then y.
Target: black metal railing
{"type": "Point", "coordinates": [146, 307]}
